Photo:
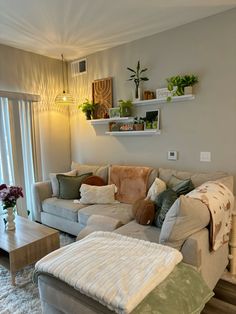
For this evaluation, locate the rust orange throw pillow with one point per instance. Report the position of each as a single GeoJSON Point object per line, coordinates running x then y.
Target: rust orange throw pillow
{"type": "Point", "coordinates": [94, 180]}
{"type": "Point", "coordinates": [144, 211]}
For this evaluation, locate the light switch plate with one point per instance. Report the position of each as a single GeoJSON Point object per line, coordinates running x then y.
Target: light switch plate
{"type": "Point", "coordinates": [172, 155]}
{"type": "Point", "coordinates": [205, 156]}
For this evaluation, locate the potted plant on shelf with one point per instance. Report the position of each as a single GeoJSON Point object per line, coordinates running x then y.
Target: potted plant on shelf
{"type": "Point", "coordinates": [179, 85]}
{"type": "Point", "coordinates": [89, 108]}
{"type": "Point", "coordinates": [137, 77]}
{"type": "Point", "coordinates": [139, 124]}
{"type": "Point", "coordinates": [125, 107]}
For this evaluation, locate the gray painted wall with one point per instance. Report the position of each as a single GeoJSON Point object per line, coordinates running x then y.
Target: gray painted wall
{"type": "Point", "coordinates": [22, 71]}
{"type": "Point", "coordinates": [208, 123]}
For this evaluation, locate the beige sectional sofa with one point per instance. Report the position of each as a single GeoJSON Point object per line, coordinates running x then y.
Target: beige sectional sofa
{"type": "Point", "coordinates": [75, 218]}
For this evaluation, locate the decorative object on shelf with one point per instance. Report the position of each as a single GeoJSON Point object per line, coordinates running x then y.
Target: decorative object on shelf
{"type": "Point", "coordinates": [137, 77]}
{"type": "Point", "coordinates": [147, 94]}
{"type": "Point", "coordinates": [9, 196]}
{"type": "Point", "coordinates": [114, 112]}
{"type": "Point", "coordinates": [139, 124]}
{"type": "Point", "coordinates": [152, 120]}
{"type": "Point", "coordinates": [163, 93]}
{"type": "Point", "coordinates": [64, 98]}
{"type": "Point", "coordinates": [126, 127]}
{"type": "Point", "coordinates": [177, 84]}
{"type": "Point", "coordinates": [125, 107]}
{"type": "Point", "coordinates": [102, 94]}
{"type": "Point", "coordinates": [89, 108]}
{"type": "Point", "coordinates": [114, 127]}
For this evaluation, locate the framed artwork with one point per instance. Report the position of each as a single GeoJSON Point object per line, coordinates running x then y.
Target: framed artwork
{"type": "Point", "coordinates": [102, 94]}
{"type": "Point", "coordinates": [152, 120]}
{"type": "Point", "coordinates": [114, 112]}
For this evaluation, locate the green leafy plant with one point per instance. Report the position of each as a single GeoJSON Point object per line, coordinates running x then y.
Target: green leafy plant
{"type": "Point", "coordinates": [176, 84]}
{"type": "Point", "coordinates": [125, 107]}
{"type": "Point", "coordinates": [137, 77]}
{"type": "Point", "coordinates": [88, 107]}
{"type": "Point", "coordinates": [138, 120]}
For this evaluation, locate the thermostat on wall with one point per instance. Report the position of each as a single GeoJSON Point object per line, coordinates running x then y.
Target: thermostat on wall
{"type": "Point", "coordinates": [172, 155]}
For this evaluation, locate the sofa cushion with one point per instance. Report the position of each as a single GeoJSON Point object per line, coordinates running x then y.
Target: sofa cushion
{"type": "Point", "coordinates": [119, 211]}
{"type": "Point", "coordinates": [180, 186]}
{"type": "Point", "coordinates": [94, 180]}
{"type": "Point", "coordinates": [135, 230]}
{"type": "Point", "coordinates": [54, 181]}
{"type": "Point", "coordinates": [97, 170]}
{"type": "Point", "coordinates": [185, 217]}
{"type": "Point", "coordinates": [97, 194]}
{"type": "Point", "coordinates": [144, 211]}
{"type": "Point", "coordinates": [69, 187]}
{"type": "Point", "coordinates": [131, 182]}
{"type": "Point", "coordinates": [66, 209]}
{"type": "Point", "coordinates": [164, 201]}
{"type": "Point", "coordinates": [197, 177]}
{"type": "Point", "coordinates": [156, 188]}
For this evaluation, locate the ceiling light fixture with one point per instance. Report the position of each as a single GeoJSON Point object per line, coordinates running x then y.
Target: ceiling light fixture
{"type": "Point", "coordinates": [64, 98]}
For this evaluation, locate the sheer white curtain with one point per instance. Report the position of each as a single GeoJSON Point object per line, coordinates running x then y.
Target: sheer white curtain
{"type": "Point", "coordinates": [17, 149]}
{"type": "Point", "coordinates": [6, 161]}
{"type": "Point", "coordinates": [25, 117]}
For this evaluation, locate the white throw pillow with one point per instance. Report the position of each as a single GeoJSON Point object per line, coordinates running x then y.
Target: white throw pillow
{"type": "Point", "coordinates": [97, 194]}
{"type": "Point", "coordinates": [54, 181]}
{"type": "Point", "coordinates": [156, 188]}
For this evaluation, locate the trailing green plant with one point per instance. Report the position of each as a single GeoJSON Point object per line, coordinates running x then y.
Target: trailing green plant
{"type": "Point", "coordinates": [88, 107]}
{"type": "Point", "coordinates": [176, 84]}
{"type": "Point", "coordinates": [137, 77]}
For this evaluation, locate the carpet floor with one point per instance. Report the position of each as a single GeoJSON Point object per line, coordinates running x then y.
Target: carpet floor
{"type": "Point", "coordinates": [24, 297]}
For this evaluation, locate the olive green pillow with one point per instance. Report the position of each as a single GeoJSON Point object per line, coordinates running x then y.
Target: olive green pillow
{"type": "Point", "coordinates": [163, 202]}
{"type": "Point", "coordinates": [181, 187]}
{"type": "Point", "coordinates": [69, 186]}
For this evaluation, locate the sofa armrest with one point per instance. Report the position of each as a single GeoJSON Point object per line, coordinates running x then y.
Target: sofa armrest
{"type": "Point", "coordinates": [211, 264]}
{"type": "Point", "coordinates": [192, 248]}
{"type": "Point", "coordinates": [41, 191]}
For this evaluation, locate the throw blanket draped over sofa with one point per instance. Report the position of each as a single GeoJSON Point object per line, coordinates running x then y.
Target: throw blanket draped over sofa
{"type": "Point", "coordinates": [116, 270]}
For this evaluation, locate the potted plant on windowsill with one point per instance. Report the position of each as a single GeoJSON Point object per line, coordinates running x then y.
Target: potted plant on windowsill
{"type": "Point", "coordinates": [125, 107]}
{"type": "Point", "coordinates": [138, 124]}
{"type": "Point", "coordinates": [137, 77]}
{"type": "Point", "coordinates": [89, 108]}
{"type": "Point", "coordinates": [181, 85]}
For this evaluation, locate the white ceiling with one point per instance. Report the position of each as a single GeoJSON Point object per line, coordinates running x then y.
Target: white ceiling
{"type": "Point", "coordinates": [78, 28]}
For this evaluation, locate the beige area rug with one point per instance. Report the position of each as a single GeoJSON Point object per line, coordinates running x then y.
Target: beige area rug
{"type": "Point", "coordinates": [24, 297]}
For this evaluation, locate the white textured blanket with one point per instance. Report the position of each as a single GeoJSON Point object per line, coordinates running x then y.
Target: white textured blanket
{"type": "Point", "coordinates": [115, 270]}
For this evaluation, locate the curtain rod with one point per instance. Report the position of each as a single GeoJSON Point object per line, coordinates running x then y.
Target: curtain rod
{"type": "Point", "coordinates": [19, 96]}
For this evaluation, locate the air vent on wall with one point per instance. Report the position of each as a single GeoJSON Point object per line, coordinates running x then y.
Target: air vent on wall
{"type": "Point", "coordinates": [78, 67]}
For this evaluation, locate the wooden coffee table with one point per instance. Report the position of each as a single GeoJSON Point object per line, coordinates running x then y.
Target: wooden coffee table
{"type": "Point", "coordinates": [25, 245]}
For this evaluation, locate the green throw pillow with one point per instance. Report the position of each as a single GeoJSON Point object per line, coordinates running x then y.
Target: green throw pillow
{"type": "Point", "coordinates": [181, 187]}
{"type": "Point", "coordinates": [164, 201]}
{"type": "Point", "coordinates": [69, 185]}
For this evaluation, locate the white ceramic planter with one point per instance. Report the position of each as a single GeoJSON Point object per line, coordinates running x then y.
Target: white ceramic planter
{"type": "Point", "coordinates": [188, 90]}
{"type": "Point", "coordinates": [10, 225]}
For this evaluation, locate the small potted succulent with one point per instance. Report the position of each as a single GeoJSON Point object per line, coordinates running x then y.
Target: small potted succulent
{"type": "Point", "coordinates": [180, 85]}
{"type": "Point", "coordinates": [89, 108]}
{"type": "Point", "coordinates": [138, 124]}
{"type": "Point", "coordinates": [137, 76]}
{"type": "Point", "coordinates": [125, 108]}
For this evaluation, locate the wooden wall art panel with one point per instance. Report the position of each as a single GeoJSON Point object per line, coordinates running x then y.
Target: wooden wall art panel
{"type": "Point", "coordinates": [102, 94]}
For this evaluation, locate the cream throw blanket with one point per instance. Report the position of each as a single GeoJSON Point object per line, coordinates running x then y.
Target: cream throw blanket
{"type": "Point", "coordinates": [115, 270]}
{"type": "Point", "coordinates": [220, 202]}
